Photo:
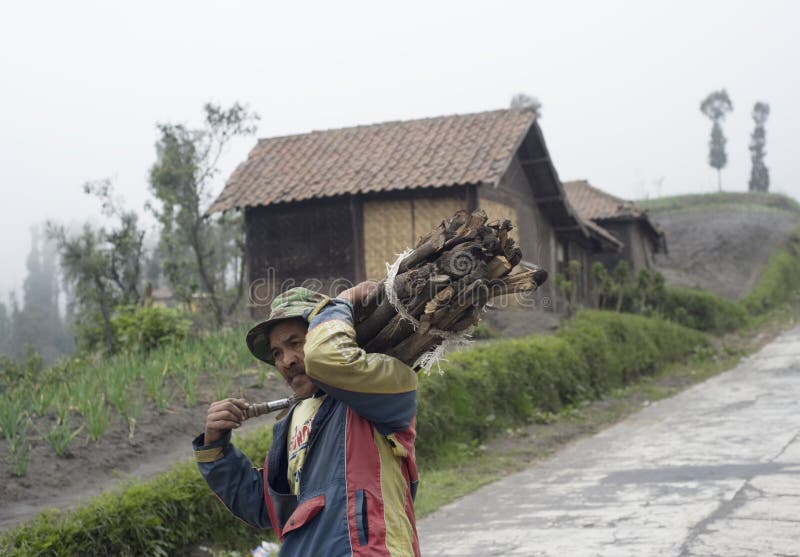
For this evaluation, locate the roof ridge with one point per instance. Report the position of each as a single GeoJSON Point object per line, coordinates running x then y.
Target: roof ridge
{"type": "Point", "coordinates": [604, 193]}
{"type": "Point", "coordinates": [394, 122]}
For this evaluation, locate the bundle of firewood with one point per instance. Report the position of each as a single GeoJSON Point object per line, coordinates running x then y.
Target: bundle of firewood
{"type": "Point", "coordinates": [437, 291]}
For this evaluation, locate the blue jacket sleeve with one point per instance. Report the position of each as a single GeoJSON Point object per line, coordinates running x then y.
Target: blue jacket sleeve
{"type": "Point", "coordinates": [377, 387]}
{"type": "Point", "coordinates": [232, 477]}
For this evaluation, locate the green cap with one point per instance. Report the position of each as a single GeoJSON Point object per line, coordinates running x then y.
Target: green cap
{"type": "Point", "coordinates": [295, 302]}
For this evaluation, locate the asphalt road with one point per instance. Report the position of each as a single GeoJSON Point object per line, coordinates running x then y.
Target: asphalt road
{"type": "Point", "coordinates": [713, 471]}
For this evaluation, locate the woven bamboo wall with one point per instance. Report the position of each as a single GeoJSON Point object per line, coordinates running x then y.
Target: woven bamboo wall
{"type": "Point", "coordinates": [387, 232]}
{"type": "Point", "coordinates": [495, 210]}
{"type": "Point", "coordinates": [429, 212]}
{"type": "Point", "coordinates": [391, 226]}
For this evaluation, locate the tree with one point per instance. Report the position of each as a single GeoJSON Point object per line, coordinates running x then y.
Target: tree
{"type": "Point", "coordinates": [199, 252]}
{"type": "Point", "coordinates": [101, 266]}
{"type": "Point", "coordinates": [85, 263]}
{"type": "Point", "coordinates": [622, 284]}
{"type": "Point", "coordinates": [521, 100]}
{"type": "Point", "coordinates": [5, 330]}
{"type": "Point", "coordinates": [37, 322]}
{"type": "Point", "coordinates": [568, 284]}
{"type": "Point", "coordinates": [126, 242]}
{"type": "Point", "coordinates": [715, 106]}
{"type": "Point", "coordinates": [603, 285]}
{"type": "Point", "coordinates": [759, 173]}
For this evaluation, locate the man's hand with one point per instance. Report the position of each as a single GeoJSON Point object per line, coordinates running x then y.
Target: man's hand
{"type": "Point", "coordinates": [222, 416]}
{"type": "Point", "coordinates": [359, 292]}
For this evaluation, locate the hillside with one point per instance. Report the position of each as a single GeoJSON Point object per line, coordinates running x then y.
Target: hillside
{"type": "Point", "coordinates": [720, 242]}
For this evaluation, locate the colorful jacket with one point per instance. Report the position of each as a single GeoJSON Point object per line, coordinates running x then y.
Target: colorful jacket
{"type": "Point", "coordinates": [360, 476]}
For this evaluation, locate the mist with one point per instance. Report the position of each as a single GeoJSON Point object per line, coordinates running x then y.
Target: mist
{"type": "Point", "coordinates": [85, 83]}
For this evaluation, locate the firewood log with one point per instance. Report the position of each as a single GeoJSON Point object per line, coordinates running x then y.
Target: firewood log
{"type": "Point", "coordinates": [442, 284]}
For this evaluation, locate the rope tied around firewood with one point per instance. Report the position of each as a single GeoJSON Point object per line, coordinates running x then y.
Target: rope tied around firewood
{"type": "Point", "coordinates": [450, 340]}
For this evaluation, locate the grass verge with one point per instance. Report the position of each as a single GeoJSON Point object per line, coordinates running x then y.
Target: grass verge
{"type": "Point", "coordinates": [750, 201]}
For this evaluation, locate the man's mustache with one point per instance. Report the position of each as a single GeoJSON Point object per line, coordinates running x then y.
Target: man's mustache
{"type": "Point", "coordinates": [293, 372]}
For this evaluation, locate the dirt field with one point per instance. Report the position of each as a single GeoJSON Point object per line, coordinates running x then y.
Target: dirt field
{"type": "Point", "coordinates": [721, 249]}
{"type": "Point", "coordinates": [91, 468]}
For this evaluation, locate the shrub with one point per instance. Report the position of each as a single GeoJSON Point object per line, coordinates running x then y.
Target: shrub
{"type": "Point", "coordinates": [780, 280]}
{"type": "Point", "coordinates": [702, 310]}
{"type": "Point", "coordinates": [483, 331]}
{"type": "Point", "coordinates": [145, 328]}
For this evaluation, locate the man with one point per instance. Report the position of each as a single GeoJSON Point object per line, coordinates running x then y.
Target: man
{"type": "Point", "coordinates": [340, 477]}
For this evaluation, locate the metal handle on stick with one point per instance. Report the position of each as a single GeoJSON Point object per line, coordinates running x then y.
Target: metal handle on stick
{"type": "Point", "coordinates": [261, 408]}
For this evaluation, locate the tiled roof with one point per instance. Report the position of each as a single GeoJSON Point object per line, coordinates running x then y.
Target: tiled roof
{"type": "Point", "coordinates": [432, 152]}
{"type": "Point", "coordinates": [598, 230]}
{"type": "Point", "coordinates": [595, 204]}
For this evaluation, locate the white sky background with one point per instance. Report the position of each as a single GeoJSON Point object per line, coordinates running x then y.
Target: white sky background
{"type": "Point", "coordinates": [82, 85]}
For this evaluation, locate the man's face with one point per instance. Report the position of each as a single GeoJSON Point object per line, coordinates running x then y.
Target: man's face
{"type": "Point", "coordinates": [287, 340]}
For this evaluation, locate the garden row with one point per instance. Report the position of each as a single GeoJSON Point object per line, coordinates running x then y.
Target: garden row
{"type": "Point", "coordinates": [83, 394]}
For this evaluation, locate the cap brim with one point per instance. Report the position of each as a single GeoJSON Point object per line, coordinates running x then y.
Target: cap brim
{"type": "Point", "coordinates": [258, 338]}
{"type": "Point", "coordinates": [258, 341]}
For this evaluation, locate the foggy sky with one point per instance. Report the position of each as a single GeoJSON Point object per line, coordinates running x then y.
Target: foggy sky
{"type": "Point", "coordinates": [84, 83]}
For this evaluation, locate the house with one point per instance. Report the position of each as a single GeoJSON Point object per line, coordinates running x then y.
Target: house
{"type": "Point", "coordinates": [640, 236]}
{"type": "Point", "coordinates": [338, 204]}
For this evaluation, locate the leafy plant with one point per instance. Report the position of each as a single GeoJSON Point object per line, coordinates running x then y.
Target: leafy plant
{"type": "Point", "coordinates": [138, 328]}
{"type": "Point", "coordinates": [153, 375]}
{"type": "Point", "coordinates": [43, 398]}
{"type": "Point", "coordinates": [97, 414]}
{"type": "Point", "coordinates": [20, 456]}
{"type": "Point", "coordinates": [187, 381]}
{"type": "Point", "coordinates": [12, 415]}
{"type": "Point", "coordinates": [61, 434]}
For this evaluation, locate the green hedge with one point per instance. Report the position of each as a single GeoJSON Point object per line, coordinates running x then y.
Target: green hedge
{"type": "Point", "coordinates": [780, 281]}
{"type": "Point", "coordinates": [493, 386]}
{"type": "Point", "coordinates": [702, 310]}
{"type": "Point", "coordinates": [483, 390]}
{"type": "Point", "coordinates": [154, 517]}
